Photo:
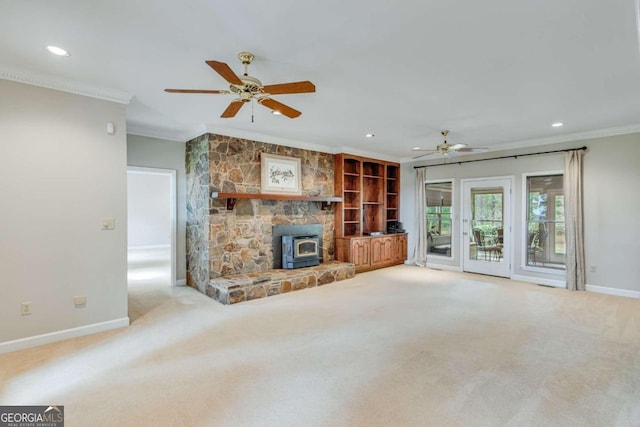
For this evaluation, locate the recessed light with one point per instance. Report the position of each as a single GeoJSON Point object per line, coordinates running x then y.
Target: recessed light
{"type": "Point", "coordinates": [369, 135]}
{"type": "Point", "coordinates": [557, 124]}
{"type": "Point", "coordinates": [57, 51]}
{"type": "Point", "coordinates": [276, 113]}
{"type": "Point", "coordinates": [416, 148]}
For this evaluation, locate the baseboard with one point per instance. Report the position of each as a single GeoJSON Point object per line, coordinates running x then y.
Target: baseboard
{"type": "Point", "coordinates": [181, 282]}
{"type": "Point", "coordinates": [34, 341]}
{"type": "Point", "coordinates": [613, 291]}
{"type": "Point", "coordinates": [148, 247]}
{"type": "Point", "coordinates": [444, 267]}
{"type": "Point", "coordinates": [540, 281]}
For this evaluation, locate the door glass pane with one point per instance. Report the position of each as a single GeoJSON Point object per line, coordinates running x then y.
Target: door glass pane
{"type": "Point", "coordinates": [439, 198]}
{"type": "Point", "coordinates": [545, 221]}
{"type": "Point", "coordinates": [487, 227]}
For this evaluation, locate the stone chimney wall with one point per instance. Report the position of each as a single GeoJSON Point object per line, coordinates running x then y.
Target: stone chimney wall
{"type": "Point", "coordinates": [239, 241]}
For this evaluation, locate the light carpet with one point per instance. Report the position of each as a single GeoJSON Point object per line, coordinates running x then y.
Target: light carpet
{"type": "Point", "coordinates": [402, 346]}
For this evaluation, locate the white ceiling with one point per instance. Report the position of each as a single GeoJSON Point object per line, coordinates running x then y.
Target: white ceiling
{"type": "Point", "coordinates": [496, 73]}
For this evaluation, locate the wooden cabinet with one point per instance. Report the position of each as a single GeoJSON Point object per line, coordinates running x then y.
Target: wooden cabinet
{"type": "Point", "coordinates": [382, 250]}
{"type": "Point", "coordinates": [372, 252]}
{"type": "Point", "coordinates": [370, 190]}
{"type": "Point", "coordinates": [356, 251]}
{"type": "Point", "coordinates": [400, 249]}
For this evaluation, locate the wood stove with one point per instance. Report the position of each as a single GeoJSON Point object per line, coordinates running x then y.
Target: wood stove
{"type": "Point", "coordinates": [300, 251]}
{"type": "Point", "coordinates": [296, 246]}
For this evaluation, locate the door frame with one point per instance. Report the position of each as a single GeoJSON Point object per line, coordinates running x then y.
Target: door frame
{"type": "Point", "coordinates": [508, 214]}
{"type": "Point", "coordinates": [172, 205]}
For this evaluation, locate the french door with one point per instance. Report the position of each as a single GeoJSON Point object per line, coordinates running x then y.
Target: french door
{"type": "Point", "coordinates": [486, 226]}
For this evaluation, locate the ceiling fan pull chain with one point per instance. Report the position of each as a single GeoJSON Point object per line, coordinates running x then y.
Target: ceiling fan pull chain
{"type": "Point", "coordinates": [251, 110]}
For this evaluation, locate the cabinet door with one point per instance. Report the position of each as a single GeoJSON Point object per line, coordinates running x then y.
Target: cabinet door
{"type": "Point", "coordinates": [360, 252]}
{"type": "Point", "coordinates": [382, 250]}
{"type": "Point", "coordinates": [400, 249]}
{"type": "Point", "coordinates": [387, 248]}
{"type": "Point", "coordinates": [377, 251]}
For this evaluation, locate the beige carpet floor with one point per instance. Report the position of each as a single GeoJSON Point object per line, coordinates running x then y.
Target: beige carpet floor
{"type": "Point", "coordinates": [403, 346]}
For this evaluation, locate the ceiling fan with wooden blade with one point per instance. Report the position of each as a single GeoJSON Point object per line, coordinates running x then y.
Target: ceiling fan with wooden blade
{"type": "Point", "coordinates": [450, 150]}
{"type": "Point", "coordinates": [248, 88]}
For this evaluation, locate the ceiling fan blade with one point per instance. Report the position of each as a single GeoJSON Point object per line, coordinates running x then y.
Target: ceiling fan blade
{"type": "Point", "coordinates": [279, 106]}
{"type": "Point", "coordinates": [197, 91]}
{"type": "Point", "coordinates": [293, 87]}
{"type": "Point", "coordinates": [225, 71]}
{"type": "Point", "coordinates": [457, 147]}
{"type": "Point", "coordinates": [472, 150]}
{"type": "Point", "coordinates": [232, 109]}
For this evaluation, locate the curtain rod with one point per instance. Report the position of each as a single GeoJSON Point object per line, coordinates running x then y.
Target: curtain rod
{"type": "Point", "coordinates": [515, 156]}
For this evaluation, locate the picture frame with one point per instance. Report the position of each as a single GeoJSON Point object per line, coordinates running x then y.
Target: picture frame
{"type": "Point", "coordinates": [280, 174]}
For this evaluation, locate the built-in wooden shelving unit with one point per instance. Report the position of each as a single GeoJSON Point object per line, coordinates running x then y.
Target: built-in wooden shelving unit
{"type": "Point", "coordinates": [370, 190]}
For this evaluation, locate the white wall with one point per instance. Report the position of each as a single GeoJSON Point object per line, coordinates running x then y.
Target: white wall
{"type": "Point", "coordinates": [148, 209]}
{"type": "Point", "coordinates": [165, 154]}
{"type": "Point", "coordinates": [60, 175]}
{"type": "Point", "coordinates": [612, 207]}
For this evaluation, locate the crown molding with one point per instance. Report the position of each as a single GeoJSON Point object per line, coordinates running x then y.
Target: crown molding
{"type": "Point", "coordinates": [270, 139]}
{"type": "Point", "coordinates": [367, 153]}
{"type": "Point", "coordinates": [178, 135]}
{"type": "Point", "coordinates": [64, 85]}
{"type": "Point", "coordinates": [570, 137]}
{"type": "Point", "coordinates": [556, 139]}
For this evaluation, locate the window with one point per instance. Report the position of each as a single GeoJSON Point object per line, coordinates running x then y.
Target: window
{"type": "Point", "coordinates": [545, 222]}
{"type": "Point", "coordinates": [439, 214]}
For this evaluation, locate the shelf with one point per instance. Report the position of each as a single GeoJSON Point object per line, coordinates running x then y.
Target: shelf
{"type": "Point", "coordinates": [372, 203]}
{"type": "Point", "coordinates": [392, 194]}
{"type": "Point", "coordinates": [373, 176]}
{"type": "Point", "coordinates": [351, 174]}
{"type": "Point", "coordinates": [350, 208]}
{"type": "Point", "coordinates": [351, 191]}
{"type": "Point", "coordinates": [232, 197]}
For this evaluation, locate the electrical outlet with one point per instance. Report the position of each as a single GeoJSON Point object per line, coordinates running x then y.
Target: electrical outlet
{"type": "Point", "coordinates": [80, 300]}
{"type": "Point", "coordinates": [593, 269]}
{"type": "Point", "coordinates": [26, 308]}
{"type": "Point", "coordinates": [108, 224]}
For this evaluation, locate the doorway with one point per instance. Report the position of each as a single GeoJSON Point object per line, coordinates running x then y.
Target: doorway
{"type": "Point", "coordinates": [151, 226]}
{"type": "Point", "coordinates": [486, 226]}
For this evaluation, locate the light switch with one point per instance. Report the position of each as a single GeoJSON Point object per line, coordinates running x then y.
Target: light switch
{"type": "Point", "coordinates": [108, 224]}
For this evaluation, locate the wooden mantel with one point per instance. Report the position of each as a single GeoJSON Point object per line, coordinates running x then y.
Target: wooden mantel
{"type": "Point", "coordinates": [232, 197]}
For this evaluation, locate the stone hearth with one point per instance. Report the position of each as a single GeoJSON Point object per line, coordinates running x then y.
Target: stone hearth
{"type": "Point", "coordinates": [245, 287]}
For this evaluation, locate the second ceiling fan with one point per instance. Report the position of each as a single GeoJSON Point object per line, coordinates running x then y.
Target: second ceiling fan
{"type": "Point", "coordinates": [248, 88]}
{"type": "Point", "coordinates": [449, 150]}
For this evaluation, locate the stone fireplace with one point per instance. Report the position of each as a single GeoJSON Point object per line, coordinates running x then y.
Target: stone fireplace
{"type": "Point", "coordinates": [223, 242]}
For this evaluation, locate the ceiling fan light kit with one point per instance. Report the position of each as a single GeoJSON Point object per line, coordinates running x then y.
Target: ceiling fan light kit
{"type": "Point", "coordinates": [248, 88]}
{"type": "Point", "coordinates": [449, 150]}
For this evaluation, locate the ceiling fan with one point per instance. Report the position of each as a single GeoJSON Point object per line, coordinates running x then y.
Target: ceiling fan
{"type": "Point", "coordinates": [247, 88]}
{"type": "Point", "coordinates": [449, 150]}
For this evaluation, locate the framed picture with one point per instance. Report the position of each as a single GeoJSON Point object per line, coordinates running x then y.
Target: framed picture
{"type": "Point", "coordinates": [280, 174]}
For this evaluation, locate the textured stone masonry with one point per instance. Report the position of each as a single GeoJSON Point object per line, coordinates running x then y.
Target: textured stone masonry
{"type": "Point", "coordinates": [223, 242]}
{"type": "Point", "coordinates": [246, 287]}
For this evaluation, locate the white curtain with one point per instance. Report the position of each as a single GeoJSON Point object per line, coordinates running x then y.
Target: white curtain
{"type": "Point", "coordinates": [420, 246]}
{"type": "Point", "coordinates": [574, 233]}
